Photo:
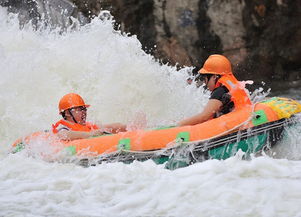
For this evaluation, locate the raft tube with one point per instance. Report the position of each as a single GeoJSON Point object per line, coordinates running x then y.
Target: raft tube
{"type": "Point", "coordinates": [146, 141]}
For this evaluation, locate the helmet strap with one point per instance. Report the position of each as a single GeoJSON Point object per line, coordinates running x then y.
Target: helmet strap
{"type": "Point", "coordinates": [72, 116]}
{"type": "Point", "coordinates": [217, 78]}
{"type": "Point", "coordinates": [217, 84]}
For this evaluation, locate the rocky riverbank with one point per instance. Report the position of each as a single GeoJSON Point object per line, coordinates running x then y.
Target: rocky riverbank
{"type": "Point", "coordinates": [262, 38]}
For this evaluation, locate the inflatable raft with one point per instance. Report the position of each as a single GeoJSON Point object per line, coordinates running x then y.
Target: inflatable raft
{"type": "Point", "coordinates": [250, 129]}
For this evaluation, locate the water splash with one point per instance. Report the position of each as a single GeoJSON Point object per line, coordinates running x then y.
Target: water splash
{"type": "Point", "coordinates": [290, 145]}
{"type": "Point", "coordinates": [122, 83]}
{"type": "Point", "coordinates": [109, 69]}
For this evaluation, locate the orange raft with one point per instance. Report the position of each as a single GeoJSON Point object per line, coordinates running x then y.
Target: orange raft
{"type": "Point", "coordinates": [261, 113]}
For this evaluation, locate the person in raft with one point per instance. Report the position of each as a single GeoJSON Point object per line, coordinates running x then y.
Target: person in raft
{"type": "Point", "coordinates": [74, 125]}
{"type": "Point", "coordinates": [227, 93]}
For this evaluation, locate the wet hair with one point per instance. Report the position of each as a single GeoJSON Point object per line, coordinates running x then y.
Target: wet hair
{"type": "Point", "coordinates": [202, 77]}
{"type": "Point", "coordinates": [208, 76]}
{"type": "Point", "coordinates": [64, 115]}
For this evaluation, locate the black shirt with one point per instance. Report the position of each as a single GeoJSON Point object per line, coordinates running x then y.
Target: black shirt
{"type": "Point", "coordinates": [222, 94]}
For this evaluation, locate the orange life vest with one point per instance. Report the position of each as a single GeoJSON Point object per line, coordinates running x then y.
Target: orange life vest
{"type": "Point", "coordinates": [74, 126]}
{"type": "Point", "coordinates": [239, 94]}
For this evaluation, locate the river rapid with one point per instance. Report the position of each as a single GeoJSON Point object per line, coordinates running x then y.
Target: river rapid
{"type": "Point", "coordinates": [122, 84]}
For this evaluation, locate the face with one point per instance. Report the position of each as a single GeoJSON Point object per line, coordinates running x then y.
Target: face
{"type": "Point", "coordinates": [211, 82]}
{"type": "Point", "coordinates": [79, 114]}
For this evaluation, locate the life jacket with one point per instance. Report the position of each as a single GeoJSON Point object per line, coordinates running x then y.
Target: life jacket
{"type": "Point", "coordinates": [239, 95]}
{"type": "Point", "coordinates": [74, 126]}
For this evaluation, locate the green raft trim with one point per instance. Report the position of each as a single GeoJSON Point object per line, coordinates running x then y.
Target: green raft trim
{"type": "Point", "coordinates": [260, 118]}
{"type": "Point", "coordinates": [250, 145]}
{"type": "Point", "coordinates": [19, 148]}
{"type": "Point", "coordinates": [183, 137]}
{"type": "Point", "coordinates": [71, 150]}
{"type": "Point", "coordinates": [124, 144]}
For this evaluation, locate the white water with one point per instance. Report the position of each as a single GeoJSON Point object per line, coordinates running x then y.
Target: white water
{"type": "Point", "coordinates": [124, 84]}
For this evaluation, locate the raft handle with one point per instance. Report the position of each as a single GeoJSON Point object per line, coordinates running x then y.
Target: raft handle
{"type": "Point", "coordinates": [257, 116]}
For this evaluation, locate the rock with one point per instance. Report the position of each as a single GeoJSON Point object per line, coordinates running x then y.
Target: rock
{"type": "Point", "coordinates": [54, 13]}
{"type": "Point", "coordinates": [273, 38]}
{"type": "Point", "coordinates": [170, 51]}
{"type": "Point", "coordinates": [261, 38]}
{"type": "Point", "coordinates": [26, 10]}
{"type": "Point", "coordinates": [175, 27]}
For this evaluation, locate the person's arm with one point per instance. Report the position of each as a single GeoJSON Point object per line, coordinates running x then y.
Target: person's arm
{"type": "Point", "coordinates": [72, 135]}
{"type": "Point", "coordinates": [109, 128]}
{"type": "Point", "coordinates": [114, 128]}
{"type": "Point", "coordinates": [210, 109]}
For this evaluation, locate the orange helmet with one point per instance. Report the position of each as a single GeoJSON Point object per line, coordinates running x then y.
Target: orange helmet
{"type": "Point", "coordinates": [216, 64]}
{"type": "Point", "coordinates": [71, 100]}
